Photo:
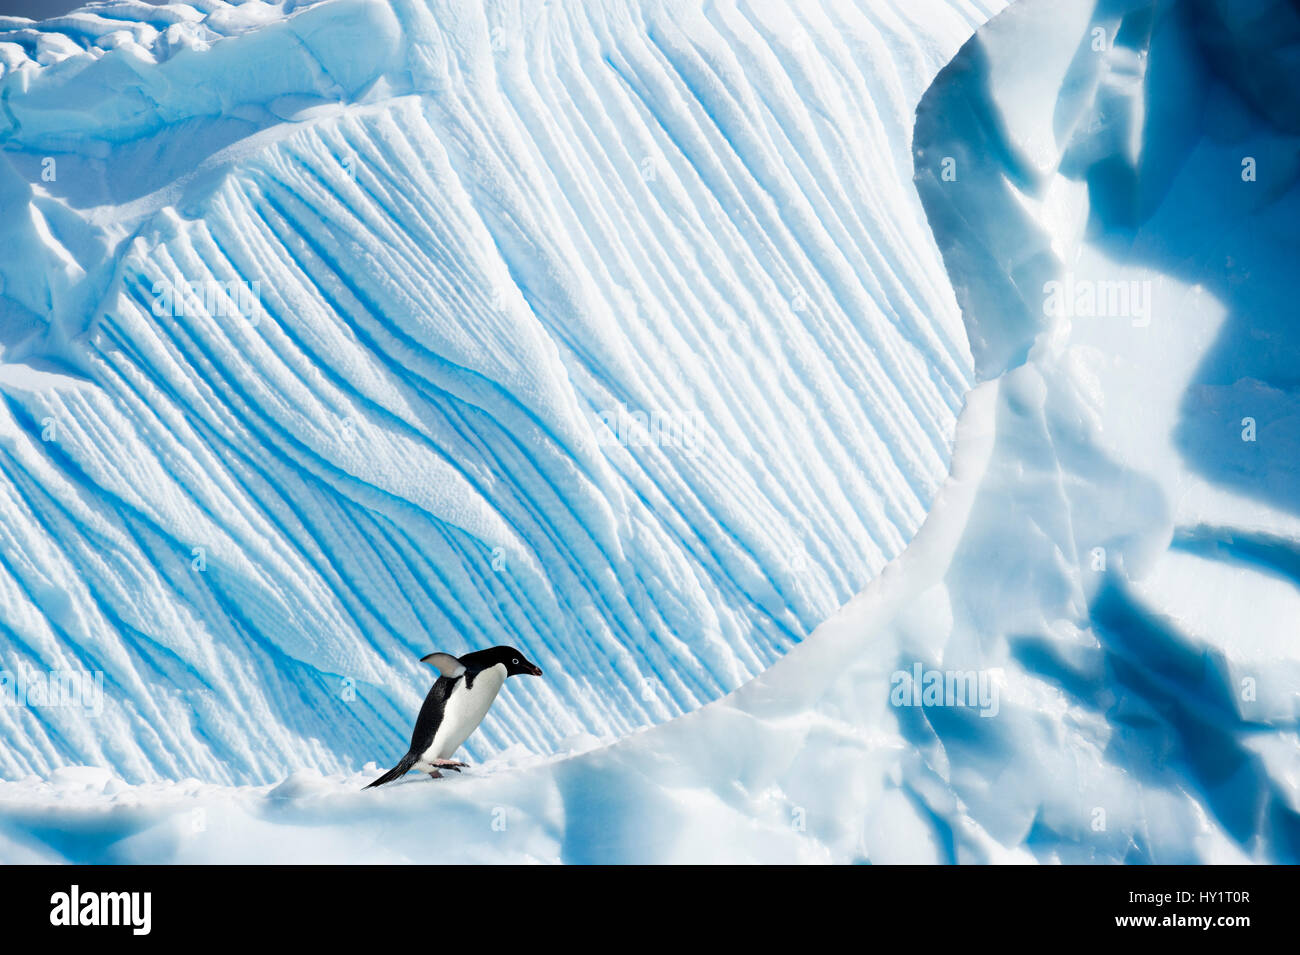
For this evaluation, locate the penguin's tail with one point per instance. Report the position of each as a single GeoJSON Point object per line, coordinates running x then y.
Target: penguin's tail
{"type": "Point", "coordinates": [397, 772]}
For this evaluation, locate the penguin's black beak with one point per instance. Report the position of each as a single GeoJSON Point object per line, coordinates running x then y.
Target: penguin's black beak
{"type": "Point", "coordinates": [534, 670]}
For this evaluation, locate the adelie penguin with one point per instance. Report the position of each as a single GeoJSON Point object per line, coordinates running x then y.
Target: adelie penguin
{"type": "Point", "coordinates": [455, 706]}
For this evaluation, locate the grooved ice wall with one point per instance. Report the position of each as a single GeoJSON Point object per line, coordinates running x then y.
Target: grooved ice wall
{"type": "Point", "coordinates": [332, 334]}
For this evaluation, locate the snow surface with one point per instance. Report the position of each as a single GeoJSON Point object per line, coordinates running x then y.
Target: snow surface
{"type": "Point", "coordinates": [1107, 551]}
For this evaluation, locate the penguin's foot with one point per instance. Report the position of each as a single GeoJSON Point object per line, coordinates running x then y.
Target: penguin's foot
{"type": "Point", "coordinates": [434, 774]}
{"type": "Point", "coordinates": [450, 764]}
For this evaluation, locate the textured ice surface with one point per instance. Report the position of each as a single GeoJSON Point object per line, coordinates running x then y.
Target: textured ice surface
{"type": "Point", "coordinates": [609, 329]}
{"type": "Point", "coordinates": [1132, 561]}
{"type": "Point", "coordinates": [1108, 550]}
{"type": "Point", "coordinates": [806, 763]}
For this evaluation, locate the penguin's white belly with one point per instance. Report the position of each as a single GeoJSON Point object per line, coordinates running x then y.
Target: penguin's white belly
{"type": "Point", "coordinates": [464, 710]}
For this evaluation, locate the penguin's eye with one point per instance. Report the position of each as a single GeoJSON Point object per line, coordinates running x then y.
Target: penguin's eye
{"type": "Point", "coordinates": [516, 662]}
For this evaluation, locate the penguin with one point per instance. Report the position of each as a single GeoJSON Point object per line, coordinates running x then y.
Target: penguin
{"type": "Point", "coordinates": [456, 704]}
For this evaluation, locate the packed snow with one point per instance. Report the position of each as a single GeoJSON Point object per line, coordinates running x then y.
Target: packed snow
{"type": "Point", "coordinates": [1108, 551]}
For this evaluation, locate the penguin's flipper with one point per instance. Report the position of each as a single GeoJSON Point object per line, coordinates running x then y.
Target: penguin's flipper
{"type": "Point", "coordinates": [445, 664]}
{"type": "Point", "coordinates": [397, 772]}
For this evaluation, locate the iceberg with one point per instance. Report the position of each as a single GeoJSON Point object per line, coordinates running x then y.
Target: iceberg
{"type": "Point", "coordinates": [1055, 239]}
{"type": "Point", "coordinates": [338, 333]}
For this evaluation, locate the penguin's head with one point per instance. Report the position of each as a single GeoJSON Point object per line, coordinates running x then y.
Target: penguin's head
{"type": "Point", "coordinates": [516, 663]}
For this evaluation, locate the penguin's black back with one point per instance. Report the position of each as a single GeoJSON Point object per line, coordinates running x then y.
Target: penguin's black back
{"type": "Point", "coordinates": [430, 718]}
